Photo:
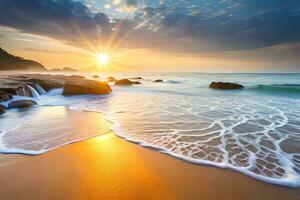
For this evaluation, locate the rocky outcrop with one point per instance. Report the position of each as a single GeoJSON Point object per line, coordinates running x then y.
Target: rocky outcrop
{"type": "Point", "coordinates": [158, 81]}
{"type": "Point", "coordinates": [84, 86]}
{"type": "Point", "coordinates": [11, 62]}
{"type": "Point", "coordinates": [2, 109]}
{"type": "Point", "coordinates": [23, 85]}
{"type": "Point", "coordinates": [126, 82]}
{"type": "Point", "coordinates": [22, 104]}
{"type": "Point", "coordinates": [4, 96]}
{"type": "Point", "coordinates": [225, 86]}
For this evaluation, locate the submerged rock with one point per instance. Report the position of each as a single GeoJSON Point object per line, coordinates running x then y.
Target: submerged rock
{"type": "Point", "coordinates": [84, 86]}
{"type": "Point", "coordinates": [2, 108]}
{"type": "Point", "coordinates": [22, 104]}
{"type": "Point", "coordinates": [225, 86]}
{"type": "Point", "coordinates": [125, 82]}
{"type": "Point", "coordinates": [158, 81]}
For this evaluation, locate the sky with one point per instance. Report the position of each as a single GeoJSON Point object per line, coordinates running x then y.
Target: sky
{"type": "Point", "coordinates": [155, 35]}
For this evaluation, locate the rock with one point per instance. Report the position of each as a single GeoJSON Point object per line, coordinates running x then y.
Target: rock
{"type": "Point", "coordinates": [125, 82]}
{"type": "Point", "coordinates": [22, 104]}
{"type": "Point", "coordinates": [77, 76]}
{"type": "Point", "coordinates": [136, 78]}
{"type": "Point", "coordinates": [84, 86]}
{"type": "Point", "coordinates": [225, 86]}
{"type": "Point", "coordinates": [2, 108]}
{"type": "Point", "coordinates": [95, 76]}
{"type": "Point", "coordinates": [111, 79]}
{"type": "Point", "coordinates": [4, 96]}
{"type": "Point", "coordinates": [158, 81]}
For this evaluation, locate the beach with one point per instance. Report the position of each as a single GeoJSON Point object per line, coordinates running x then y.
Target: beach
{"type": "Point", "coordinates": [108, 167]}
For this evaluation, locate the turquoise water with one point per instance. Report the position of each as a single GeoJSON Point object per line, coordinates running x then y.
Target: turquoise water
{"type": "Point", "coordinates": [255, 131]}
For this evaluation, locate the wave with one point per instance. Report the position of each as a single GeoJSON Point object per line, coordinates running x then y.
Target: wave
{"type": "Point", "coordinates": [174, 81]}
{"type": "Point", "coordinates": [278, 88]}
{"type": "Point", "coordinates": [241, 134]}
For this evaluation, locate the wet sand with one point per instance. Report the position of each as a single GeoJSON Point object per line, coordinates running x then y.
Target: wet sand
{"type": "Point", "coordinates": [108, 167]}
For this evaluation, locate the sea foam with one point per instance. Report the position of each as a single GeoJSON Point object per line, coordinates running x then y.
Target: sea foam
{"type": "Point", "coordinates": [254, 134]}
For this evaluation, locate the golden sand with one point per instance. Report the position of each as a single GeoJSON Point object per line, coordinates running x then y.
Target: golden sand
{"type": "Point", "coordinates": [108, 167]}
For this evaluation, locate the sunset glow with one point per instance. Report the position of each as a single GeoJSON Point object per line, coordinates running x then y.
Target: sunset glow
{"type": "Point", "coordinates": [103, 58]}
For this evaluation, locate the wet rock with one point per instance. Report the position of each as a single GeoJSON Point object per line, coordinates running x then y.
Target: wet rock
{"type": "Point", "coordinates": [84, 86]}
{"type": "Point", "coordinates": [111, 79]}
{"type": "Point", "coordinates": [22, 104]}
{"type": "Point", "coordinates": [4, 96]}
{"type": "Point", "coordinates": [2, 109]}
{"type": "Point", "coordinates": [95, 76]}
{"type": "Point", "coordinates": [126, 82]}
{"type": "Point", "coordinates": [158, 81]}
{"type": "Point", "coordinates": [225, 86]}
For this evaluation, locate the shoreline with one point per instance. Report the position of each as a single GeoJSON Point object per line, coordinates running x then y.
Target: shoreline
{"type": "Point", "coordinates": [108, 167]}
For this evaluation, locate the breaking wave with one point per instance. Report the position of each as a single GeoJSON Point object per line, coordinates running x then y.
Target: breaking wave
{"type": "Point", "coordinates": [278, 88]}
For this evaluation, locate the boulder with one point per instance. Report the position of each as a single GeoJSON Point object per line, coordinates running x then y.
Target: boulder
{"type": "Point", "coordinates": [85, 86]}
{"type": "Point", "coordinates": [111, 79]}
{"type": "Point", "coordinates": [2, 108]}
{"type": "Point", "coordinates": [22, 104]}
{"type": "Point", "coordinates": [158, 81]}
{"type": "Point", "coordinates": [124, 82]}
{"type": "Point", "coordinates": [225, 86]}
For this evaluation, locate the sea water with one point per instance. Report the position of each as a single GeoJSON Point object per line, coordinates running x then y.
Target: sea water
{"type": "Point", "coordinates": [255, 131]}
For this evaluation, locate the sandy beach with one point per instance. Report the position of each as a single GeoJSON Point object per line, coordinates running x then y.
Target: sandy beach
{"type": "Point", "coordinates": [108, 167]}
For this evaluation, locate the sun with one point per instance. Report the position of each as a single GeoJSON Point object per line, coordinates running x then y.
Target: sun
{"type": "Point", "coordinates": [103, 58]}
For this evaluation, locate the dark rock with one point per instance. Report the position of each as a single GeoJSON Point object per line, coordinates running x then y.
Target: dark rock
{"type": "Point", "coordinates": [2, 108]}
{"type": "Point", "coordinates": [95, 76]}
{"type": "Point", "coordinates": [158, 81]}
{"type": "Point", "coordinates": [124, 82]}
{"type": "Point", "coordinates": [22, 104]}
{"type": "Point", "coordinates": [225, 86]}
{"type": "Point", "coordinates": [111, 79]}
{"type": "Point", "coordinates": [77, 76]}
{"type": "Point", "coordinates": [136, 78]}
{"type": "Point", "coordinates": [4, 96]}
{"type": "Point", "coordinates": [84, 86]}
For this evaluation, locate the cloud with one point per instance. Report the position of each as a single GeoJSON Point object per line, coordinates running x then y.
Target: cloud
{"type": "Point", "coordinates": [190, 26]}
{"type": "Point", "coordinates": [64, 20]}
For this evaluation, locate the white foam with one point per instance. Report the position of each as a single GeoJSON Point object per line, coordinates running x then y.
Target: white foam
{"type": "Point", "coordinates": [242, 133]}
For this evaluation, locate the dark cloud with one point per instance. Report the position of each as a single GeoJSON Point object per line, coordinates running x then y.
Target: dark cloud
{"type": "Point", "coordinates": [61, 19]}
{"type": "Point", "coordinates": [171, 25]}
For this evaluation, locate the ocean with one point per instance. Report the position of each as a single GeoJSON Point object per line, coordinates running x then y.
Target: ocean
{"type": "Point", "coordinates": [254, 131]}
